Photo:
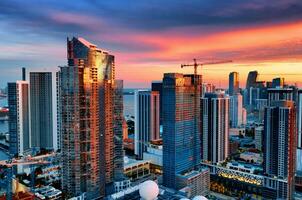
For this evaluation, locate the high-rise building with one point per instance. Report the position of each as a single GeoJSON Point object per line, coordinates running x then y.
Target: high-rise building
{"type": "Point", "coordinates": [276, 94]}
{"type": "Point", "coordinates": [86, 88]}
{"type": "Point", "coordinates": [19, 132]}
{"type": "Point", "coordinates": [41, 110]}
{"type": "Point", "coordinates": [146, 120]}
{"type": "Point", "coordinates": [207, 88]}
{"type": "Point", "coordinates": [298, 178]}
{"type": "Point", "coordinates": [233, 83]}
{"type": "Point", "coordinates": [158, 86]}
{"type": "Point", "coordinates": [279, 144]}
{"type": "Point", "coordinates": [251, 82]}
{"type": "Point", "coordinates": [236, 112]}
{"type": "Point", "coordinates": [278, 82]}
{"type": "Point", "coordinates": [118, 131]}
{"type": "Point", "coordinates": [252, 79]}
{"type": "Point", "coordinates": [181, 130]}
{"type": "Point", "coordinates": [214, 127]}
{"type": "Point", "coordinates": [259, 137]}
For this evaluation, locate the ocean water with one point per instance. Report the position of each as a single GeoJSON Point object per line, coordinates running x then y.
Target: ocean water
{"type": "Point", "coordinates": [128, 105]}
{"type": "Point", "coordinates": [3, 128]}
{"type": "Point", "coordinates": [3, 124]}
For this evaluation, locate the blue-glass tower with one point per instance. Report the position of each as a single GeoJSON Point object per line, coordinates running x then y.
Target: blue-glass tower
{"type": "Point", "coordinates": [181, 131]}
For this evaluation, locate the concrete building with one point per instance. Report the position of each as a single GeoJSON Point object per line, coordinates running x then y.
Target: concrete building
{"type": "Point", "coordinates": [214, 127]}
{"type": "Point", "coordinates": [86, 88]}
{"type": "Point", "coordinates": [195, 183]}
{"type": "Point", "coordinates": [259, 137]}
{"type": "Point", "coordinates": [280, 146]}
{"type": "Point", "coordinates": [19, 131]}
{"type": "Point", "coordinates": [41, 110]}
{"type": "Point", "coordinates": [147, 118]}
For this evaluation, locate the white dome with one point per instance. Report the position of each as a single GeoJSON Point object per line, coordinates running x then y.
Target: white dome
{"type": "Point", "coordinates": [126, 160]}
{"type": "Point", "coordinates": [199, 198]}
{"type": "Point", "coordinates": [148, 190]}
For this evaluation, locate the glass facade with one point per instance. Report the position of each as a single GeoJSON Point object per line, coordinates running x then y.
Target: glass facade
{"type": "Point", "coordinates": [181, 131]}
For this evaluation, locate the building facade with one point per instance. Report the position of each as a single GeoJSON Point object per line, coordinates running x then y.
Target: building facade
{"type": "Point", "coordinates": [214, 127]}
{"type": "Point", "coordinates": [18, 103]}
{"type": "Point", "coordinates": [86, 119]}
{"type": "Point", "coordinates": [147, 119]}
{"type": "Point", "coordinates": [181, 130]}
{"type": "Point", "coordinates": [41, 107]}
{"type": "Point", "coordinates": [236, 112]}
{"type": "Point", "coordinates": [279, 143]}
{"type": "Point", "coordinates": [233, 83]}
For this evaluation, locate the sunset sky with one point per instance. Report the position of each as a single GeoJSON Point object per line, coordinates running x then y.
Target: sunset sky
{"type": "Point", "coordinates": [150, 37]}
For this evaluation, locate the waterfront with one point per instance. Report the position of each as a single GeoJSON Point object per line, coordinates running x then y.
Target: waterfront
{"type": "Point", "coordinates": [3, 128]}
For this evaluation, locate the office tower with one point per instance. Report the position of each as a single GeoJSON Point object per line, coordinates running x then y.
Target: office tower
{"type": "Point", "coordinates": [279, 142]}
{"type": "Point", "coordinates": [251, 82]}
{"type": "Point", "coordinates": [236, 112]}
{"type": "Point", "coordinates": [258, 137]}
{"type": "Point", "coordinates": [252, 79]}
{"type": "Point", "coordinates": [276, 94]}
{"type": "Point", "coordinates": [214, 127]}
{"type": "Point", "coordinates": [158, 86]}
{"type": "Point", "coordinates": [181, 130]}
{"type": "Point", "coordinates": [41, 105]}
{"type": "Point", "coordinates": [19, 137]}
{"type": "Point", "coordinates": [233, 83]}
{"type": "Point", "coordinates": [146, 105]}
{"type": "Point", "coordinates": [118, 131]}
{"type": "Point", "coordinates": [278, 83]}
{"type": "Point", "coordinates": [86, 119]}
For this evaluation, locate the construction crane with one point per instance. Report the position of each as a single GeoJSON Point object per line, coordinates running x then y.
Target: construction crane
{"type": "Point", "coordinates": [8, 165]}
{"type": "Point", "coordinates": [196, 96]}
{"type": "Point", "coordinates": [196, 65]}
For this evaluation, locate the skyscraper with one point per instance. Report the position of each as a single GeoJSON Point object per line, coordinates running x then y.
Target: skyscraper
{"type": "Point", "coordinates": [233, 83]}
{"type": "Point", "coordinates": [86, 119]}
{"type": "Point", "coordinates": [278, 82]}
{"type": "Point", "coordinates": [146, 120]}
{"type": "Point", "coordinates": [236, 112]}
{"type": "Point", "coordinates": [276, 94]}
{"type": "Point", "coordinates": [181, 130]}
{"type": "Point", "coordinates": [41, 105]}
{"type": "Point", "coordinates": [158, 86]}
{"type": "Point", "coordinates": [299, 119]}
{"type": "Point", "coordinates": [214, 127]}
{"type": "Point", "coordinates": [279, 144]}
{"type": "Point", "coordinates": [252, 79]}
{"type": "Point", "coordinates": [298, 178]}
{"type": "Point", "coordinates": [118, 131]}
{"type": "Point", "coordinates": [19, 133]}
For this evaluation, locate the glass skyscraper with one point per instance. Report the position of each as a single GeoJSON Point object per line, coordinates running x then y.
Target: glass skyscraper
{"type": "Point", "coordinates": [181, 131]}
{"type": "Point", "coordinates": [19, 132]}
{"type": "Point", "coordinates": [41, 107]}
